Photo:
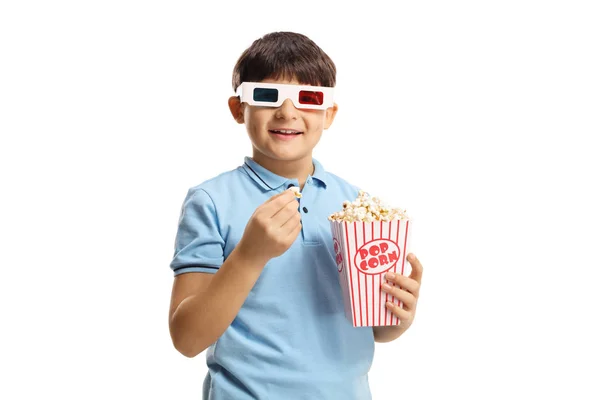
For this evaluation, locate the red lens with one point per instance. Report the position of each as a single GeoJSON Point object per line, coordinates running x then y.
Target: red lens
{"type": "Point", "coordinates": [310, 97]}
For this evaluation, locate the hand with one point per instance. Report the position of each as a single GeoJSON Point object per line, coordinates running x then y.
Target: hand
{"type": "Point", "coordinates": [272, 228]}
{"type": "Point", "coordinates": [407, 291]}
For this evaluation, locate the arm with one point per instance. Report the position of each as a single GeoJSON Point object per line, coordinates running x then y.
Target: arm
{"type": "Point", "coordinates": [204, 305]}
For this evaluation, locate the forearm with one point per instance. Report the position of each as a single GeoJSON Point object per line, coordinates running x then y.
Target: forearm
{"type": "Point", "coordinates": [201, 319]}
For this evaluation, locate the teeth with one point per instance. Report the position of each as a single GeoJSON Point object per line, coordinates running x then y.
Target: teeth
{"type": "Point", "coordinates": [284, 131]}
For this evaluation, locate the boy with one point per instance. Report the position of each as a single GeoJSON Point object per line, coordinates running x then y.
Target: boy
{"type": "Point", "coordinates": [255, 273]}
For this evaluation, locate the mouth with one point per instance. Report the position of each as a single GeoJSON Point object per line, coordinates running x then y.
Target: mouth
{"type": "Point", "coordinates": [285, 132]}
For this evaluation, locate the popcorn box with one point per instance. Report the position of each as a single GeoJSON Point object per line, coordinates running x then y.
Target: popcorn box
{"type": "Point", "coordinates": [365, 251]}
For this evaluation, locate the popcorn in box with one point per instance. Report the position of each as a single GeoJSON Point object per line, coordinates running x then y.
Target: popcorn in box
{"type": "Point", "coordinates": [369, 239]}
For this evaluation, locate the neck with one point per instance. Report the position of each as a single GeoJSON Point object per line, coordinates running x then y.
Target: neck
{"type": "Point", "coordinates": [297, 169]}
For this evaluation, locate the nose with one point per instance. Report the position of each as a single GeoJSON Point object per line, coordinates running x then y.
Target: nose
{"type": "Point", "coordinates": [287, 110]}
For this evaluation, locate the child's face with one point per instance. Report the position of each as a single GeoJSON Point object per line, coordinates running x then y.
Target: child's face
{"type": "Point", "coordinates": [262, 121]}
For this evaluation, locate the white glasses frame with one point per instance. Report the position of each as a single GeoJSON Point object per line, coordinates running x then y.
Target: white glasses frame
{"type": "Point", "coordinates": [285, 91]}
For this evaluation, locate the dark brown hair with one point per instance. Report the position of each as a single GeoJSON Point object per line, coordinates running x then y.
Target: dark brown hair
{"type": "Point", "coordinates": [284, 55]}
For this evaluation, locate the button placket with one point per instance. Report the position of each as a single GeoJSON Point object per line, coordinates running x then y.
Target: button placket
{"type": "Point", "coordinates": [310, 233]}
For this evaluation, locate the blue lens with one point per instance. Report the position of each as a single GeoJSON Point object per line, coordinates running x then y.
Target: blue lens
{"type": "Point", "coordinates": [265, 94]}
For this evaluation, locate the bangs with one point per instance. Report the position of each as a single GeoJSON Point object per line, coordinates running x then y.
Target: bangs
{"type": "Point", "coordinates": [288, 69]}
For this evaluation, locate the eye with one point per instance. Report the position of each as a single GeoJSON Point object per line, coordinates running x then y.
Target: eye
{"type": "Point", "coordinates": [265, 95]}
{"type": "Point", "coordinates": [310, 97]}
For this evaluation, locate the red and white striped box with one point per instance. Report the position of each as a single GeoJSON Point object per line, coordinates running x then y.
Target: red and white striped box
{"type": "Point", "coordinates": [365, 251]}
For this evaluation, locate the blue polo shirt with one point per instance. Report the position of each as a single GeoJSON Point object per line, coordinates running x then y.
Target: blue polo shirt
{"type": "Point", "coordinates": [290, 339]}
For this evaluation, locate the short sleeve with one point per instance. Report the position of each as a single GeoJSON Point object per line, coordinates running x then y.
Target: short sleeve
{"type": "Point", "coordinates": [198, 244]}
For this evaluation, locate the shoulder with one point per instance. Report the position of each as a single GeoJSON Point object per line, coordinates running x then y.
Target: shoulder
{"type": "Point", "coordinates": [204, 201]}
{"type": "Point", "coordinates": [214, 188]}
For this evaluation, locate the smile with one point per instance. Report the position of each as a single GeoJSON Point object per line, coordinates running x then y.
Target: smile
{"type": "Point", "coordinates": [285, 132]}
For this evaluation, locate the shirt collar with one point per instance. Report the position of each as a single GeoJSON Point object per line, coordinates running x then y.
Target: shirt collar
{"type": "Point", "coordinates": [319, 173]}
{"type": "Point", "coordinates": [270, 181]}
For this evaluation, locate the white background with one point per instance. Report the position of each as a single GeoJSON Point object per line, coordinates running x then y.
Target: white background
{"type": "Point", "coordinates": [480, 118]}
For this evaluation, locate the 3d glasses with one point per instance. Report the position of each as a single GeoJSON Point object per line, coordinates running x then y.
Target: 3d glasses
{"type": "Point", "coordinates": [274, 94]}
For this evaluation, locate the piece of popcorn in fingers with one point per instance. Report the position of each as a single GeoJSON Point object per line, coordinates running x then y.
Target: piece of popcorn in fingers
{"type": "Point", "coordinates": [296, 191]}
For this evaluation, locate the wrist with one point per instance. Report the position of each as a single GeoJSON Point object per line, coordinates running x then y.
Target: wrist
{"type": "Point", "coordinates": [248, 257]}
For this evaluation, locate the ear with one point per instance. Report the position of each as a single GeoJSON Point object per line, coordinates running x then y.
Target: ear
{"type": "Point", "coordinates": [237, 111]}
{"type": "Point", "coordinates": [330, 115]}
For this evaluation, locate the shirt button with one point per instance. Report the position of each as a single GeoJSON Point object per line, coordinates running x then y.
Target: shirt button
{"type": "Point", "coordinates": [291, 185]}
{"type": "Point", "coordinates": [305, 209]}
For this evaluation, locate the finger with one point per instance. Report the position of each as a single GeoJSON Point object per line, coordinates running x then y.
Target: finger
{"type": "Point", "coordinates": [416, 272]}
{"type": "Point", "coordinates": [408, 300]}
{"type": "Point", "coordinates": [405, 297]}
{"type": "Point", "coordinates": [295, 232]}
{"type": "Point", "coordinates": [278, 204]}
{"type": "Point", "coordinates": [406, 283]}
{"type": "Point", "coordinates": [291, 223]}
{"type": "Point", "coordinates": [274, 204]}
{"type": "Point", "coordinates": [285, 213]}
{"type": "Point", "coordinates": [402, 314]}
{"type": "Point", "coordinates": [285, 193]}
